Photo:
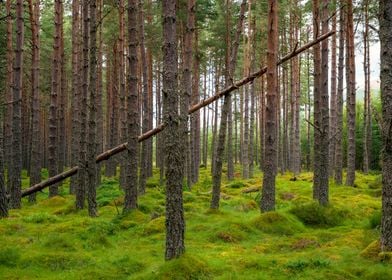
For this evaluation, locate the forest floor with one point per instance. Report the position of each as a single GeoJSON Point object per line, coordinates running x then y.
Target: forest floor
{"type": "Point", "coordinates": [51, 240]}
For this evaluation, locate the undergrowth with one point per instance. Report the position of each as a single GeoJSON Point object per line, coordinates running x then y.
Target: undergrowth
{"type": "Point", "coordinates": [300, 240]}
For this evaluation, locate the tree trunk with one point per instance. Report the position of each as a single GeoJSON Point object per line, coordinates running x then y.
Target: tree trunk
{"type": "Point", "coordinates": [267, 202]}
{"type": "Point", "coordinates": [217, 175]}
{"type": "Point", "coordinates": [92, 118]}
{"type": "Point", "coordinates": [16, 163]}
{"type": "Point", "coordinates": [316, 99]}
{"type": "Point", "coordinates": [386, 100]}
{"type": "Point", "coordinates": [9, 96]}
{"type": "Point", "coordinates": [144, 161]}
{"type": "Point", "coordinates": [339, 102]}
{"type": "Point", "coordinates": [323, 191]}
{"type": "Point", "coordinates": [175, 223]}
{"type": "Point", "coordinates": [82, 173]}
{"type": "Point", "coordinates": [75, 100]}
{"type": "Point", "coordinates": [130, 200]}
{"type": "Point", "coordinates": [350, 58]}
{"type": "Point", "coordinates": [35, 164]}
{"type": "Point", "coordinates": [333, 102]}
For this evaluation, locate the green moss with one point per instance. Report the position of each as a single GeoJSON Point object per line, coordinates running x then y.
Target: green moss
{"type": "Point", "coordinates": [40, 218]}
{"type": "Point", "coordinates": [236, 185]}
{"type": "Point", "coordinates": [155, 226]}
{"type": "Point", "coordinates": [184, 268]}
{"type": "Point", "coordinates": [375, 220]}
{"type": "Point", "coordinates": [277, 223]}
{"type": "Point", "coordinates": [9, 256]}
{"type": "Point", "coordinates": [313, 214]}
{"type": "Point", "coordinates": [372, 250]}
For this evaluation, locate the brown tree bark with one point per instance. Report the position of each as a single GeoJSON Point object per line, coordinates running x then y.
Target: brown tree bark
{"type": "Point", "coordinates": [175, 223]}
{"type": "Point", "coordinates": [35, 163]}
{"type": "Point", "coordinates": [332, 118]}
{"type": "Point", "coordinates": [75, 99]}
{"type": "Point", "coordinates": [267, 201]}
{"type": "Point", "coordinates": [316, 98]}
{"type": "Point", "coordinates": [350, 59]}
{"type": "Point", "coordinates": [338, 173]}
{"type": "Point", "coordinates": [367, 130]}
{"type": "Point", "coordinates": [9, 97]}
{"type": "Point", "coordinates": [55, 88]}
{"type": "Point", "coordinates": [16, 161]}
{"type": "Point", "coordinates": [3, 194]}
{"type": "Point", "coordinates": [323, 187]}
{"type": "Point", "coordinates": [130, 200]}
{"type": "Point", "coordinates": [91, 168]}
{"type": "Point", "coordinates": [82, 173]}
{"type": "Point", "coordinates": [386, 100]}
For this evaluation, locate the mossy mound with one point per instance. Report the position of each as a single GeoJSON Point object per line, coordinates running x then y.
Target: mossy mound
{"type": "Point", "coordinates": [9, 256]}
{"type": "Point", "coordinates": [313, 214]}
{"type": "Point", "coordinates": [277, 223]}
{"type": "Point", "coordinates": [375, 220]}
{"type": "Point", "coordinates": [236, 185]}
{"type": "Point", "coordinates": [184, 268]}
{"type": "Point", "coordinates": [155, 226]}
{"type": "Point", "coordinates": [372, 250]}
{"type": "Point", "coordinates": [40, 218]}
{"type": "Point", "coordinates": [53, 201]}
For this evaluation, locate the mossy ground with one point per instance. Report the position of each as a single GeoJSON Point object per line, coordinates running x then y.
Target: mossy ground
{"type": "Point", "coordinates": [51, 240]}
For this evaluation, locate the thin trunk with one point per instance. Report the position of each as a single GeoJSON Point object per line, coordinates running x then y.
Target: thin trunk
{"type": "Point", "coordinates": [267, 201]}
{"type": "Point", "coordinates": [92, 118]}
{"type": "Point", "coordinates": [145, 112]}
{"type": "Point", "coordinates": [130, 200]}
{"type": "Point", "coordinates": [332, 114]}
{"type": "Point", "coordinates": [35, 164]}
{"type": "Point", "coordinates": [217, 175]}
{"type": "Point", "coordinates": [339, 102]}
{"type": "Point", "coordinates": [75, 135]}
{"type": "Point", "coordinates": [16, 162]}
{"type": "Point", "coordinates": [316, 99]}
{"type": "Point", "coordinates": [323, 191]}
{"type": "Point", "coordinates": [350, 56]}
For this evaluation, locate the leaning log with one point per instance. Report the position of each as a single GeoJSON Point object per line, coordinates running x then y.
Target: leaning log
{"type": "Point", "coordinates": [109, 153]}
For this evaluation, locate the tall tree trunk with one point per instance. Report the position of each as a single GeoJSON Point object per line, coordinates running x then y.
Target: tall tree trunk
{"type": "Point", "coordinates": [195, 118]}
{"type": "Point", "coordinates": [338, 176]}
{"type": "Point", "coordinates": [144, 161]}
{"type": "Point", "coordinates": [3, 193]}
{"type": "Point", "coordinates": [16, 163]}
{"type": "Point", "coordinates": [9, 96]}
{"type": "Point", "coordinates": [367, 136]}
{"type": "Point", "coordinates": [217, 175]}
{"type": "Point", "coordinates": [99, 85]}
{"type": "Point", "coordinates": [122, 93]}
{"type": "Point", "coordinates": [323, 192]}
{"type": "Point", "coordinates": [350, 58]}
{"type": "Point", "coordinates": [332, 114]}
{"type": "Point", "coordinates": [130, 200]}
{"type": "Point", "coordinates": [55, 87]}
{"type": "Point", "coordinates": [92, 118]}
{"type": "Point", "coordinates": [386, 100]}
{"type": "Point", "coordinates": [35, 164]}
{"type": "Point", "coordinates": [267, 201]}
{"type": "Point", "coordinates": [175, 223]}
{"type": "Point", "coordinates": [75, 88]}
{"type": "Point", "coordinates": [82, 173]}
{"type": "Point", "coordinates": [316, 99]}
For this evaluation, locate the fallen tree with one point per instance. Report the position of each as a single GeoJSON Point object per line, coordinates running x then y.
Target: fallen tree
{"type": "Point", "coordinates": [109, 153]}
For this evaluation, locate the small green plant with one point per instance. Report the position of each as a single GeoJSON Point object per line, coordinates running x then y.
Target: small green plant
{"type": "Point", "coordinates": [375, 220]}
